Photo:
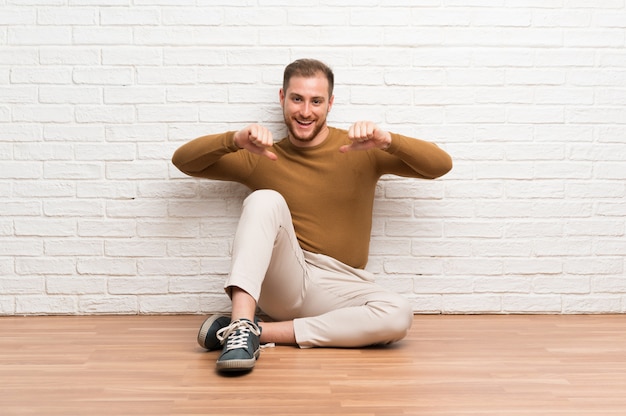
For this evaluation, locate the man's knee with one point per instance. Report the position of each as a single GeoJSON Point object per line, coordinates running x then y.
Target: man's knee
{"type": "Point", "coordinates": [395, 320]}
{"type": "Point", "coordinates": [265, 198]}
{"type": "Point", "coordinates": [398, 319]}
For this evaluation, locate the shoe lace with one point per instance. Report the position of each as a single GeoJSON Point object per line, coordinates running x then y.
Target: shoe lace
{"type": "Point", "coordinates": [237, 334]}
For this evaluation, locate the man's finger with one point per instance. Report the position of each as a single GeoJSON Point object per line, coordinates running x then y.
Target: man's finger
{"type": "Point", "coordinates": [269, 155]}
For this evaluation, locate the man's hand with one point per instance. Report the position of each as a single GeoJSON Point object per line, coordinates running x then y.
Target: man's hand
{"type": "Point", "coordinates": [366, 135]}
{"type": "Point", "coordinates": [255, 139]}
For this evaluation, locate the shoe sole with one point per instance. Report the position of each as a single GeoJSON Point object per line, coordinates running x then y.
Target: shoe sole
{"type": "Point", "coordinates": [238, 365]}
{"type": "Point", "coordinates": [204, 330]}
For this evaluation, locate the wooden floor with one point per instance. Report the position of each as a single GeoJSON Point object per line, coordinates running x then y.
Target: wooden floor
{"type": "Point", "coordinates": [449, 365]}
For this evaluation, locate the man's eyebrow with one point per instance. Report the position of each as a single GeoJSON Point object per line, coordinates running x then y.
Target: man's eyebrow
{"type": "Point", "coordinates": [295, 94]}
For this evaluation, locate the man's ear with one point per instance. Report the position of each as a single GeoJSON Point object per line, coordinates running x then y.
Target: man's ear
{"type": "Point", "coordinates": [331, 100]}
{"type": "Point", "coordinates": [281, 96]}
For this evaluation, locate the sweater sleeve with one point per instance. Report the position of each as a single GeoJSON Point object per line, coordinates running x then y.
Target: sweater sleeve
{"type": "Point", "coordinates": [199, 156]}
{"type": "Point", "coordinates": [416, 158]}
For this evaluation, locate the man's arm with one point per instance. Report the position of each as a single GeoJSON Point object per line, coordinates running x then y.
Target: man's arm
{"type": "Point", "coordinates": [425, 159]}
{"type": "Point", "coordinates": [197, 156]}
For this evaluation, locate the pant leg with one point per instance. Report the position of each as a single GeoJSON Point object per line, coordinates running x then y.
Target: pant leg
{"type": "Point", "coordinates": [344, 307]}
{"type": "Point", "coordinates": [267, 261]}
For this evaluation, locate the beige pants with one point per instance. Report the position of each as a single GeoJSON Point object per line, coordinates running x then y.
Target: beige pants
{"type": "Point", "coordinates": [332, 304]}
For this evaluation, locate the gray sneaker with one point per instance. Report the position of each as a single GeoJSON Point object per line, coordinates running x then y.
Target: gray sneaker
{"type": "Point", "coordinates": [207, 336]}
{"type": "Point", "coordinates": [241, 346]}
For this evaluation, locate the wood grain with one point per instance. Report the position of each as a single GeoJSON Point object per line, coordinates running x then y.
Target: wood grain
{"type": "Point", "coordinates": [448, 365]}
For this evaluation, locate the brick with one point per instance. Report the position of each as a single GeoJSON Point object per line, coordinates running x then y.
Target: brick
{"type": "Point", "coordinates": [533, 266]}
{"type": "Point", "coordinates": [102, 76]}
{"type": "Point", "coordinates": [73, 208]}
{"type": "Point", "coordinates": [597, 266]}
{"type": "Point", "coordinates": [611, 247]}
{"type": "Point", "coordinates": [104, 152]}
{"type": "Point", "coordinates": [471, 303]}
{"type": "Point", "coordinates": [194, 284]}
{"type": "Point", "coordinates": [397, 228]}
{"type": "Point", "coordinates": [106, 266]}
{"type": "Point", "coordinates": [69, 55]}
{"type": "Point", "coordinates": [176, 267]}
{"type": "Point", "coordinates": [199, 248]}
{"type": "Point", "coordinates": [137, 285]}
{"type": "Point", "coordinates": [441, 285]}
{"type": "Point", "coordinates": [75, 286]}
{"type": "Point", "coordinates": [23, 56]}
{"type": "Point", "coordinates": [45, 189]}
{"type": "Point", "coordinates": [132, 56]}
{"type": "Point", "coordinates": [562, 284]}
{"type": "Point", "coordinates": [23, 208]}
{"type": "Point", "coordinates": [500, 284]}
{"type": "Point", "coordinates": [67, 16]}
{"type": "Point", "coordinates": [431, 304]}
{"type": "Point", "coordinates": [591, 304]}
{"type": "Point", "coordinates": [18, 95]}
{"type": "Point", "coordinates": [473, 266]}
{"type": "Point", "coordinates": [108, 305]}
{"type": "Point", "coordinates": [70, 95]}
{"type": "Point", "coordinates": [43, 114]}
{"type": "Point", "coordinates": [531, 303]}
{"type": "Point", "coordinates": [202, 16]}
{"type": "Point", "coordinates": [73, 247]}
{"type": "Point", "coordinates": [22, 285]}
{"type": "Point", "coordinates": [72, 171]}
{"type": "Point", "coordinates": [106, 228]}
{"type": "Point", "coordinates": [38, 151]}
{"type": "Point", "coordinates": [73, 132]}
{"type": "Point", "coordinates": [473, 229]}
{"type": "Point", "coordinates": [45, 304]}
{"type": "Point", "coordinates": [130, 170]}
{"type": "Point", "coordinates": [7, 305]}
{"type": "Point", "coordinates": [39, 36]}
{"type": "Point", "coordinates": [215, 266]}
{"type": "Point", "coordinates": [113, 16]}
{"type": "Point", "coordinates": [105, 114]}
{"type": "Point", "coordinates": [608, 284]}
{"type": "Point", "coordinates": [413, 266]}
{"type": "Point", "coordinates": [134, 95]}
{"type": "Point", "coordinates": [134, 132]}
{"type": "Point", "coordinates": [170, 303]}
{"type": "Point", "coordinates": [381, 247]}
{"type": "Point", "coordinates": [569, 247]}
{"type": "Point", "coordinates": [135, 209]}
{"type": "Point", "coordinates": [98, 35]}
{"type": "Point", "coordinates": [45, 266]}
{"type": "Point", "coordinates": [135, 248]}
{"type": "Point", "coordinates": [35, 227]}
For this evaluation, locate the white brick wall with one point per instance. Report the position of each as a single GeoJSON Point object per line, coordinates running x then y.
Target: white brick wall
{"type": "Point", "coordinates": [528, 96]}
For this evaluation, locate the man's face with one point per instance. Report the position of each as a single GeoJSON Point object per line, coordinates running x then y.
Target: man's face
{"type": "Point", "coordinates": [305, 106]}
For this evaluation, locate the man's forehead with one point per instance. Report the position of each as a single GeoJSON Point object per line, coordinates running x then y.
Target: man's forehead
{"type": "Point", "coordinates": [315, 85]}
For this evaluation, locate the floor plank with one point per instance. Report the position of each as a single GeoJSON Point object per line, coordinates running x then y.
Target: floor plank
{"type": "Point", "coordinates": [448, 365]}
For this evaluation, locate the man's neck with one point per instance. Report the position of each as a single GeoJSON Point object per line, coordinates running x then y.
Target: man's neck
{"type": "Point", "coordinates": [316, 141]}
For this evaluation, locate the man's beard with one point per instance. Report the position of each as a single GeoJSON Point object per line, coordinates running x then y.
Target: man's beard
{"type": "Point", "coordinates": [290, 122]}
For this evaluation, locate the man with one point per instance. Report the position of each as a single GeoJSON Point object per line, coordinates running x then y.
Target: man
{"type": "Point", "coordinates": [302, 242]}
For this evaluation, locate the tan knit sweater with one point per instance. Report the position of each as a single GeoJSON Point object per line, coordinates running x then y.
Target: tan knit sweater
{"type": "Point", "coordinates": [330, 194]}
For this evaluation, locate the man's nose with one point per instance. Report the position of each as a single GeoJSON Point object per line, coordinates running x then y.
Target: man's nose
{"type": "Point", "coordinates": [305, 109]}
